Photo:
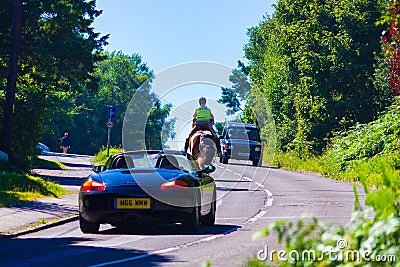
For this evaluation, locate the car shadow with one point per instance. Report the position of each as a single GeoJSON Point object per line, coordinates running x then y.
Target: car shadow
{"type": "Point", "coordinates": [169, 229]}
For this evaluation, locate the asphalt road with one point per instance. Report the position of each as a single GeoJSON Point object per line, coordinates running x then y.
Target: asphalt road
{"type": "Point", "coordinates": [249, 199]}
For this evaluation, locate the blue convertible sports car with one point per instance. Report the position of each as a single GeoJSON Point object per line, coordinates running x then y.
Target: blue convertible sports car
{"type": "Point", "coordinates": [148, 187]}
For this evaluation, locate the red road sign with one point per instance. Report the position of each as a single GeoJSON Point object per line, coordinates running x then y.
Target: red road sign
{"type": "Point", "coordinates": [110, 124]}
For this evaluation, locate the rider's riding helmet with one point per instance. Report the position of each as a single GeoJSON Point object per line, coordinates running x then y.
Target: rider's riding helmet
{"type": "Point", "coordinates": [202, 101]}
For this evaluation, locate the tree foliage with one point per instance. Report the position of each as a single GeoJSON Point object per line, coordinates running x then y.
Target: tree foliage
{"type": "Point", "coordinates": [58, 49]}
{"type": "Point", "coordinates": [314, 60]}
{"type": "Point", "coordinates": [119, 77]}
{"type": "Point", "coordinates": [66, 82]}
{"type": "Point", "coordinates": [233, 97]}
{"type": "Point", "coordinates": [391, 39]}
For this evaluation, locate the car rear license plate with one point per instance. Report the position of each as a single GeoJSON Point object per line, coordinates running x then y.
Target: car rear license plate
{"type": "Point", "coordinates": [132, 203]}
{"type": "Point", "coordinates": [244, 154]}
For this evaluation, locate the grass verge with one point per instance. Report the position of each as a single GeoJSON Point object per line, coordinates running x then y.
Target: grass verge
{"type": "Point", "coordinates": [47, 164]}
{"type": "Point", "coordinates": [17, 188]}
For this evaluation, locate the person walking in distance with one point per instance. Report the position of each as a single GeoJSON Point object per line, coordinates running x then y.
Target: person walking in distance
{"type": "Point", "coordinates": [65, 143]}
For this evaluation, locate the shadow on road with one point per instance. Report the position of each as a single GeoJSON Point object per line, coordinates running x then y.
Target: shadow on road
{"type": "Point", "coordinates": [245, 164]}
{"type": "Point", "coordinates": [71, 251]}
{"type": "Point", "coordinates": [236, 189]}
{"type": "Point", "coordinates": [56, 209]}
{"type": "Point", "coordinates": [230, 181]}
{"type": "Point", "coordinates": [65, 180]}
{"type": "Point", "coordinates": [170, 229]}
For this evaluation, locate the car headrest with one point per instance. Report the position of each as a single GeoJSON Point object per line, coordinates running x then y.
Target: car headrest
{"type": "Point", "coordinates": [168, 162]}
{"type": "Point", "coordinates": [124, 163]}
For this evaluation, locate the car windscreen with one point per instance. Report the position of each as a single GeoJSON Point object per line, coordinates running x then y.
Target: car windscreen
{"type": "Point", "coordinates": [244, 133]}
{"type": "Point", "coordinates": [153, 160]}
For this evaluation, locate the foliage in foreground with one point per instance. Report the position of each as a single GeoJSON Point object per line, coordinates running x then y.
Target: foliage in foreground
{"type": "Point", "coordinates": [372, 237]}
{"type": "Point", "coordinates": [18, 188]}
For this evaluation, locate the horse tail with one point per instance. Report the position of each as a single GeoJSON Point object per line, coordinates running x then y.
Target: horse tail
{"type": "Point", "coordinates": [207, 149]}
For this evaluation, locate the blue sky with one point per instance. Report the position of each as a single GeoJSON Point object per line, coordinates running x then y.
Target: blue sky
{"type": "Point", "coordinates": [167, 33]}
{"type": "Point", "coordinates": [170, 32]}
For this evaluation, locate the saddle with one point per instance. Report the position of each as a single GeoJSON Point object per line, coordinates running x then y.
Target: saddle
{"type": "Point", "coordinates": [204, 127]}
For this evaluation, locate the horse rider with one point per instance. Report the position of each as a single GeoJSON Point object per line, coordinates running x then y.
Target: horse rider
{"type": "Point", "coordinates": [203, 119]}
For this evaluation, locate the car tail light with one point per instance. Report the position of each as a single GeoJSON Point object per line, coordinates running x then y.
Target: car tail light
{"type": "Point", "coordinates": [93, 185]}
{"type": "Point", "coordinates": [174, 185]}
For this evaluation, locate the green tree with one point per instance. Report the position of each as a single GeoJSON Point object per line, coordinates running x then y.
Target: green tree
{"type": "Point", "coordinates": [119, 77]}
{"type": "Point", "coordinates": [158, 129]}
{"type": "Point", "coordinates": [234, 97]}
{"type": "Point", "coordinates": [314, 61]}
{"type": "Point", "coordinates": [57, 55]}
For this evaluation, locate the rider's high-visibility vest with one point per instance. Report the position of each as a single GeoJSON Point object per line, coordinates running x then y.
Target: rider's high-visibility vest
{"type": "Point", "coordinates": [203, 115]}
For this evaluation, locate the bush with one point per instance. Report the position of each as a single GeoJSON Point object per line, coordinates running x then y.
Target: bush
{"type": "Point", "coordinates": [102, 157]}
{"type": "Point", "coordinates": [355, 155]}
{"type": "Point", "coordinates": [365, 141]}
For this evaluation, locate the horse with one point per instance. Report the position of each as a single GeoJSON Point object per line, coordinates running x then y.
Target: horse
{"type": "Point", "coordinates": [202, 147]}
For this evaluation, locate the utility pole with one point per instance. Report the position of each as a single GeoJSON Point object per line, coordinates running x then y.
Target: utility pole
{"type": "Point", "coordinates": [12, 78]}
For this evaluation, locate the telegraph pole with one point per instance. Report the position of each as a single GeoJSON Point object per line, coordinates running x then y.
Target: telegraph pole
{"type": "Point", "coordinates": [12, 78]}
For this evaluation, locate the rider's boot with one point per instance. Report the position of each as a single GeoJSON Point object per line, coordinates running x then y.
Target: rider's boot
{"type": "Point", "coordinates": [186, 144]}
{"type": "Point", "coordinates": [218, 143]}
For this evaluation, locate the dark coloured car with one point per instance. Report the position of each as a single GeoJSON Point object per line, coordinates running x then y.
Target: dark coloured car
{"type": "Point", "coordinates": [241, 141]}
{"type": "Point", "coordinates": [141, 187]}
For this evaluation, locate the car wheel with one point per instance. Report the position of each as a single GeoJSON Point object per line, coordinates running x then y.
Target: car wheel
{"type": "Point", "coordinates": [257, 162]}
{"type": "Point", "coordinates": [193, 223]}
{"type": "Point", "coordinates": [88, 227]}
{"type": "Point", "coordinates": [225, 160]}
{"type": "Point", "coordinates": [209, 219]}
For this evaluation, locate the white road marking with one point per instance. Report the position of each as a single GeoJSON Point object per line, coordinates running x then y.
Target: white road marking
{"type": "Point", "coordinates": [264, 209]}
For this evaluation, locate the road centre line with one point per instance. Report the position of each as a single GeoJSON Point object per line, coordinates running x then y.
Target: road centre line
{"type": "Point", "coordinates": [268, 204]}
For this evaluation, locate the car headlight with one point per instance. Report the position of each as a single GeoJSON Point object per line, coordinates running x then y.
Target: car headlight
{"type": "Point", "coordinates": [257, 149]}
